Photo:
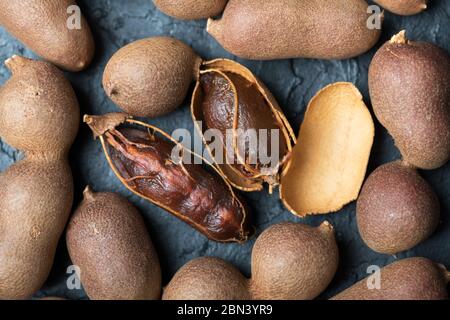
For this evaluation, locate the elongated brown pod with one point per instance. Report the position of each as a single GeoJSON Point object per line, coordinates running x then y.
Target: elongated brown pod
{"type": "Point", "coordinates": [409, 85]}
{"type": "Point", "coordinates": [290, 261]}
{"type": "Point", "coordinates": [281, 29]}
{"type": "Point", "coordinates": [107, 239]}
{"type": "Point", "coordinates": [54, 29]}
{"type": "Point", "coordinates": [141, 157]}
{"type": "Point", "coordinates": [39, 115]}
{"type": "Point", "coordinates": [230, 99]}
{"type": "Point", "coordinates": [407, 279]}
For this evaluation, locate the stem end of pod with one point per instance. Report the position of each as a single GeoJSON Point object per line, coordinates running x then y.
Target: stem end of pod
{"type": "Point", "coordinates": [101, 124]}
{"type": "Point", "coordinates": [15, 62]}
{"type": "Point", "coordinates": [400, 38]}
{"type": "Point", "coordinates": [88, 193]}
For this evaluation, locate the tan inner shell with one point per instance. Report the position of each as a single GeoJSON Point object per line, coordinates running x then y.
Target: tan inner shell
{"type": "Point", "coordinates": [329, 162]}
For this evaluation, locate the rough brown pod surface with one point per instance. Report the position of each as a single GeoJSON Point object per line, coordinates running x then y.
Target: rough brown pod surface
{"type": "Point", "coordinates": [151, 77]}
{"type": "Point", "coordinates": [289, 261]}
{"type": "Point", "coordinates": [409, 86]}
{"type": "Point", "coordinates": [397, 209]}
{"type": "Point", "coordinates": [142, 158]}
{"type": "Point", "coordinates": [407, 279]}
{"type": "Point", "coordinates": [230, 99]}
{"type": "Point", "coordinates": [107, 239]}
{"type": "Point", "coordinates": [293, 261]}
{"type": "Point", "coordinates": [403, 7]}
{"type": "Point", "coordinates": [39, 115]}
{"type": "Point", "coordinates": [191, 9]}
{"type": "Point", "coordinates": [42, 25]}
{"type": "Point", "coordinates": [207, 278]}
{"type": "Point", "coordinates": [280, 29]}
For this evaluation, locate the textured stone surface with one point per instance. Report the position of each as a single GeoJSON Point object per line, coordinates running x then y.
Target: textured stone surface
{"type": "Point", "coordinates": [293, 82]}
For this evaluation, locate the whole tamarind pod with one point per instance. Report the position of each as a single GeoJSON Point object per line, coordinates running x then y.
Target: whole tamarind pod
{"type": "Point", "coordinates": [151, 77]}
{"type": "Point", "coordinates": [290, 261]}
{"type": "Point", "coordinates": [143, 162]}
{"type": "Point", "coordinates": [39, 115]}
{"type": "Point", "coordinates": [414, 278]}
{"type": "Point", "coordinates": [409, 86]}
{"type": "Point", "coordinates": [108, 240]}
{"type": "Point", "coordinates": [397, 209]}
{"type": "Point", "coordinates": [282, 29]}
{"type": "Point", "coordinates": [45, 26]}
{"type": "Point", "coordinates": [230, 99]}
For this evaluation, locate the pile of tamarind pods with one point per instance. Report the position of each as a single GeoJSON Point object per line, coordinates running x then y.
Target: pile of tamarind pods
{"type": "Point", "coordinates": [317, 171]}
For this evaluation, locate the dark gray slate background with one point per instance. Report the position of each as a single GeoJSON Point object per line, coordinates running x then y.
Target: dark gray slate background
{"type": "Point", "coordinates": [293, 82]}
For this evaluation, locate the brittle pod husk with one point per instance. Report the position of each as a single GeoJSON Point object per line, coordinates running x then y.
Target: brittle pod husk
{"type": "Point", "coordinates": [108, 240]}
{"type": "Point", "coordinates": [141, 157]}
{"type": "Point", "coordinates": [408, 279]}
{"type": "Point", "coordinates": [45, 27]}
{"type": "Point", "coordinates": [328, 164]}
{"type": "Point", "coordinates": [409, 85]}
{"type": "Point", "coordinates": [403, 7]}
{"type": "Point", "coordinates": [229, 98]}
{"type": "Point", "coordinates": [290, 261]}
{"type": "Point", "coordinates": [191, 9]}
{"type": "Point", "coordinates": [397, 209]}
{"type": "Point", "coordinates": [281, 29]}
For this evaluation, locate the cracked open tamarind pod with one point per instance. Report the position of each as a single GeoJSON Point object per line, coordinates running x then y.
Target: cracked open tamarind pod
{"type": "Point", "coordinates": [227, 96]}
{"type": "Point", "coordinates": [141, 157]}
{"type": "Point", "coordinates": [230, 99]}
